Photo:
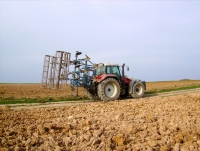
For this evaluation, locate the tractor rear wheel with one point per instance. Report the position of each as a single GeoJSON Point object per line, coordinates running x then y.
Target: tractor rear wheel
{"type": "Point", "coordinates": [138, 90]}
{"type": "Point", "coordinates": [92, 96]}
{"type": "Point", "coordinates": [109, 89]}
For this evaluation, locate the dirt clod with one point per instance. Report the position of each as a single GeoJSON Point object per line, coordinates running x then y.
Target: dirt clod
{"type": "Point", "coordinates": [150, 123]}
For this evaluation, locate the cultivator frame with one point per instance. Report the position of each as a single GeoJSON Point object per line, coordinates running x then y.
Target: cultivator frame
{"type": "Point", "coordinates": [56, 72]}
{"type": "Point", "coordinates": [83, 68]}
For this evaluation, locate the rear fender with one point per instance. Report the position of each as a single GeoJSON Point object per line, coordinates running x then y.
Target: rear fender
{"type": "Point", "coordinates": [130, 87]}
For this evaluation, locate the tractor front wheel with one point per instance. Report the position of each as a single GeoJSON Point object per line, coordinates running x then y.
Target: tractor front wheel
{"type": "Point", "coordinates": [138, 90]}
{"type": "Point", "coordinates": [109, 89]}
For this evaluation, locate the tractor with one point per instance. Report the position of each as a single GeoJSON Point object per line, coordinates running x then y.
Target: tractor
{"type": "Point", "coordinates": [108, 83]}
{"type": "Point", "coordinates": [102, 81]}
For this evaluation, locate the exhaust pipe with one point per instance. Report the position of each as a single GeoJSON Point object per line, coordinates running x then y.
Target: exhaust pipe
{"type": "Point", "coordinates": [123, 75]}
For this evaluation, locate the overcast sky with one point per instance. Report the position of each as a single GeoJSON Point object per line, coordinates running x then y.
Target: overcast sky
{"type": "Point", "coordinates": [158, 40]}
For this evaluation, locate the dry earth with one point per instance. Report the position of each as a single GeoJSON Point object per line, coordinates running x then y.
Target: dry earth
{"type": "Point", "coordinates": [151, 123]}
{"type": "Point", "coordinates": [154, 123]}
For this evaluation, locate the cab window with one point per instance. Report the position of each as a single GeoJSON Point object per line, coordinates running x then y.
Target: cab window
{"type": "Point", "coordinates": [116, 71]}
{"type": "Point", "coordinates": [109, 70]}
{"type": "Point", "coordinates": [100, 70]}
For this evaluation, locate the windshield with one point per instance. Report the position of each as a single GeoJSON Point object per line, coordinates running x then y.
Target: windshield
{"type": "Point", "coordinates": [101, 70]}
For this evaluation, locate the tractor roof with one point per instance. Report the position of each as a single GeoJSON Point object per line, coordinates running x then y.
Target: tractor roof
{"type": "Point", "coordinates": [108, 64]}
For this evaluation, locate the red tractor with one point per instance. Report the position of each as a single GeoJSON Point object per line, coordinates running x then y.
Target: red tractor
{"type": "Point", "coordinates": [108, 83]}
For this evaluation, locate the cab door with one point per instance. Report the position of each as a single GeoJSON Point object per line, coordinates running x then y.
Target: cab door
{"type": "Point", "coordinates": [115, 70]}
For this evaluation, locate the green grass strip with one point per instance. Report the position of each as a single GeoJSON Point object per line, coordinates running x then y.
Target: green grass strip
{"type": "Point", "coordinates": [173, 89]}
{"type": "Point", "coordinates": [28, 100]}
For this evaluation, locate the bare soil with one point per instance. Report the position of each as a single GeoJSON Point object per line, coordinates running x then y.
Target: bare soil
{"type": "Point", "coordinates": [152, 123]}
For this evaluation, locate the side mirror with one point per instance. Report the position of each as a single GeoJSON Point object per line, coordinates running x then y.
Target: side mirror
{"type": "Point", "coordinates": [127, 68]}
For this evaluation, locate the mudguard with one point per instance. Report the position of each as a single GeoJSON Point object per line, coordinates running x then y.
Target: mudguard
{"type": "Point", "coordinates": [130, 87]}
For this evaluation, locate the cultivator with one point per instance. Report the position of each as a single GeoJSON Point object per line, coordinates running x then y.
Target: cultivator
{"type": "Point", "coordinates": [56, 72]}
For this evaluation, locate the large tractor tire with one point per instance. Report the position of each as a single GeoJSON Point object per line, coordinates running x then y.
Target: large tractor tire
{"type": "Point", "coordinates": [92, 96]}
{"type": "Point", "coordinates": [138, 90]}
{"type": "Point", "coordinates": [109, 89]}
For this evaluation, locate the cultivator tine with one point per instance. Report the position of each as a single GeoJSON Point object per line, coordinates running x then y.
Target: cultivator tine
{"type": "Point", "coordinates": [87, 58]}
{"type": "Point", "coordinates": [72, 85]}
{"type": "Point", "coordinates": [90, 62]}
{"type": "Point", "coordinates": [78, 65]}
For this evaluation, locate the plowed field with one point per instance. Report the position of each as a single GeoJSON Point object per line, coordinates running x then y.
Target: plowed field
{"type": "Point", "coordinates": [151, 123]}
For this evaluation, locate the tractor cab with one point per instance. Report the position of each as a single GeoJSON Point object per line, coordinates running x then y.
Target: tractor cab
{"type": "Point", "coordinates": [106, 69]}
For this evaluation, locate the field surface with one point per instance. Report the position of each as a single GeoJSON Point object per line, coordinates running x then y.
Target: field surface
{"type": "Point", "coordinates": [158, 123]}
{"type": "Point", "coordinates": [35, 91]}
